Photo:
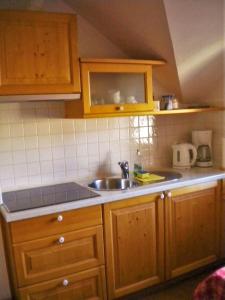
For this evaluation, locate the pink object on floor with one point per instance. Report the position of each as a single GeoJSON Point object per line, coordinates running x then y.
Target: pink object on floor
{"type": "Point", "coordinates": [212, 288]}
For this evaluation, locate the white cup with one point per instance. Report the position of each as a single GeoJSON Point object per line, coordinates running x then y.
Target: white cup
{"type": "Point", "coordinates": [115, 96]}
{"type": "Point", "coordinates": [131, 99]}
{"type": "Point", "coordinates": [156, 106]}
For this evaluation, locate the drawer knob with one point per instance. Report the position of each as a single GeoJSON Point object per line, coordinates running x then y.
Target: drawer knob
{"type": "Point", "coordinates": [162, 196]}
{"type": "Point", "coordinates": [65, 282]}
{"type": "Point", "coordinates": [61, 240]}
{"type": "Point", "coordinates": [60, 218]}
{"type": "Point", "coordinates": [169, 194]}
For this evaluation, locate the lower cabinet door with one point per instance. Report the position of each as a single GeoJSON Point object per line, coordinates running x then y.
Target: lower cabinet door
{"type": "Point", "coordinates": [223, 220]}
{"type": "Point", "coordinates": [192, 228]}
{"type": "Point", "coordinates": [86, 285]}
{"type": "Point", "coordinates": [134, 237]}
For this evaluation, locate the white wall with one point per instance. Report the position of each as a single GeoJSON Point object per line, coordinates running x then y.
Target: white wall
{"type": "Point", "coordinates": [196, 29]}
{"type": "Point", "coordinates": [139, 28]}
{"type": "Point", "coordinates": [197, 34]}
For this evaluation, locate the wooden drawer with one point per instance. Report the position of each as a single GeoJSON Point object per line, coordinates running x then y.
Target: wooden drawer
{"type": "Point", "coordinates": [39, 227]}
{"type": "Point", "coordinates": [86, 285]}
{"type": "Point", "coordinates": [47, 258]}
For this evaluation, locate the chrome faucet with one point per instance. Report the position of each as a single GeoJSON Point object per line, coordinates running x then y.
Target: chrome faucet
{"type": "Point", "coordinates": [124, 168]}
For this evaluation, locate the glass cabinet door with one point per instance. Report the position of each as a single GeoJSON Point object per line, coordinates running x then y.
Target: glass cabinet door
{"type": "Point", "coordinates": [110, 88]}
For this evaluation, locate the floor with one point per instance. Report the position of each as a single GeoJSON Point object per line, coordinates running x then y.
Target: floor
{"type": "Point", "coordinates": [177, 291]}
{"type": "Point", "coordinates": [181, 291]}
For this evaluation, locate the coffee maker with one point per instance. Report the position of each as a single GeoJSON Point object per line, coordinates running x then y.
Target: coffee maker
{"type": "Point", "coordinates": [202, 139]}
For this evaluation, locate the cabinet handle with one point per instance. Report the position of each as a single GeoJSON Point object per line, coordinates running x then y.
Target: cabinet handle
{"type": "Point", "coordinates": [61, 240]}
{"type": "Point", "coordinates": [120, 108]}
{"type": "Point", "coordinates": [162, 196]}
{"type": "Point", "coordinates": [60, 218]}
{"type": "Point", "coordinates": [65, 282]}
{"type": "Point", "coordinates": [169, 194]}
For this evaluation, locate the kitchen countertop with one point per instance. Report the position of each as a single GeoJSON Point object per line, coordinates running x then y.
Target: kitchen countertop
{"type": "Point", "coordinates": [189, 177]}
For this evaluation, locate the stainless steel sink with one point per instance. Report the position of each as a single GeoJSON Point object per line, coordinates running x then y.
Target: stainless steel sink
{"type": "Point", "coordinates": [115, 183]}
{"type": "Point", "coordinates": [110, 184]}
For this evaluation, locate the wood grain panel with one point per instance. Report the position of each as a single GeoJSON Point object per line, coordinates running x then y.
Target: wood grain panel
{"type": "Point", "coordinates": [123, 61]}
{"type": "Point", "coordinates": [38, 53]}
{"type": "Point", "coordinates": [222, 217]}
{"type": "Point", "coordinates": [9, 258]}
{"type": "Point", "coordinates": [134, 238]}
{"type": "Point", "coordinates": [44, 259]}
{"type": "Point", "coordinates": [192, 229]}
{"type": "Point", "coordinates": [223, 187]}
{"type": "Point", "coordinates": [86, 285]}
{"type": "Point", "coordinates": [39, 227]}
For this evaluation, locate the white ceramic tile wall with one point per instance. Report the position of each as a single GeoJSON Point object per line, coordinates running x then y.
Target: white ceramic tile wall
{"type": "Point", "coordinates": [38, 146]}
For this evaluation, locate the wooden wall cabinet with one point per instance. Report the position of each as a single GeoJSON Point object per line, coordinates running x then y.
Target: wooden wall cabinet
{"type": "Point", "coordinates": [134, 241]}
{"type": "Point", "coordinates": [38, 53]}
{"type": "Point", "coordinates": [113, 87]}
{"type": "Point", "coordinates": [192, 228]}
{"type": "Point", "coordinates": [64, 265]}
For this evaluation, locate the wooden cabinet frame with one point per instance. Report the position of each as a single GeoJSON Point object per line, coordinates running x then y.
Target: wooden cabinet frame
{"type": "Point", "coordinates": [38, 53]}
{"type": "Point", "coordinates": [134, 229]}
{"type": "Point", "coordinates": [87, 68]}
{"type": "Point", "coordinates": [208, 195]}
{"type": "Point", "coordinates": [84, 109]}
{"type": "Point", "coordinates": [145, 212]}
{"type": "Point", "coordinates": [78, 258]}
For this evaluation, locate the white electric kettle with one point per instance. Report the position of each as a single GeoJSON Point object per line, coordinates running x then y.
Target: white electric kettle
{"type": "Point", "coordinates": [184, 155]}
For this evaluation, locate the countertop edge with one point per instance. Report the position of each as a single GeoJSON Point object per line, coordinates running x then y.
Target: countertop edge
{"type": "Point", "coordinates": [106, 197]}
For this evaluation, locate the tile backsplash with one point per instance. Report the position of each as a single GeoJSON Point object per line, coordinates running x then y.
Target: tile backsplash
{"type": "Point", "coordinates": [38, 146]}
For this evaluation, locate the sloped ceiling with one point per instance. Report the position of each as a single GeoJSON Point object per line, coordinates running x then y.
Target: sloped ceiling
{"type": "Point", "coordinates": [139, 28]}
{"type": "Point", "coordinates": [197, 33]}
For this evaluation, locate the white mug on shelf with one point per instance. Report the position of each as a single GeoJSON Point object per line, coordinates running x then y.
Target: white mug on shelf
{"type": "Point", "coordinates": [131, 99]}
{"type": "Point", "coordinates": [115, 96]}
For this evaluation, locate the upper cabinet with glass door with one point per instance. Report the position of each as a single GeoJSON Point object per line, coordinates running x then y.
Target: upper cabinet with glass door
{"type": "Point", "coordinates": [112, 87]}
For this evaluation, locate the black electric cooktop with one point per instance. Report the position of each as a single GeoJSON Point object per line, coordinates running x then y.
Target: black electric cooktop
{"type": "Point", "coordinates": [45, 196]}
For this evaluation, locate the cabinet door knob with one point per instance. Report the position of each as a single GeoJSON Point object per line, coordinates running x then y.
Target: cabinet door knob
{"type": "Point", "coordinates": [60, 218]}
{"type": "Point", "coordinates": [65, 282]}
{"type": "Point", "coordinates": [162, 196]}
{"type": "Point", "coordinates": [120, 108]}
{"type": "Point", "coordinates": [61, 240]}
{"type": "Point", "coordinates": [169, 194]}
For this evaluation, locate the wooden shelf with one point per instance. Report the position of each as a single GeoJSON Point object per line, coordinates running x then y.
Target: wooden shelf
{"type": "Point", "coordinates": [154, 113]}
{"type": "Point", "coordinates": [123, 61]}
{"type": "Point", "coordinates": [187, 111]}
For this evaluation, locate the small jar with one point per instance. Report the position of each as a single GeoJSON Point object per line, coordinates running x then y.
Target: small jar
{"type": "Point", "coordinates": [169, 104]}
{"type": "Point", "coordinates": [166, 102]}
{"type": "Point", "coordinates": [156, 104]}
{"type": "Point", "coordinates": [175, 103]}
